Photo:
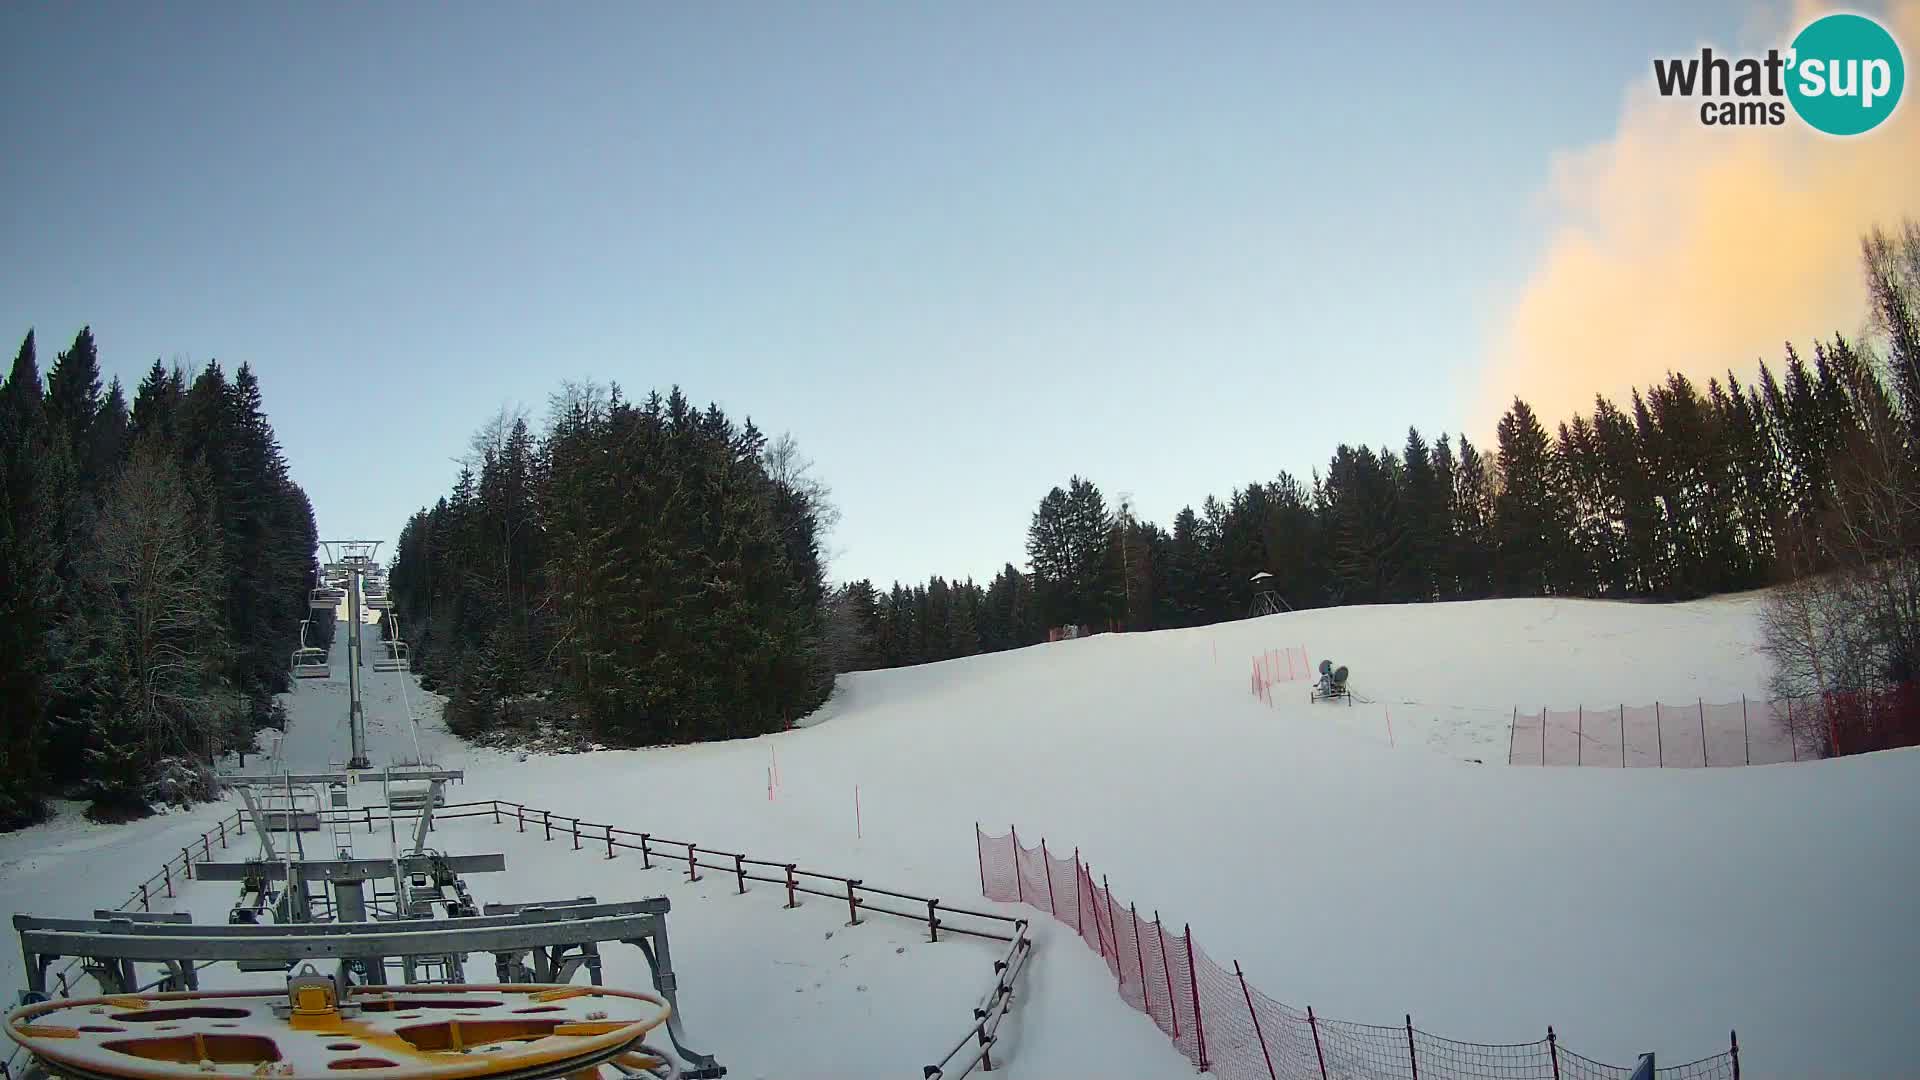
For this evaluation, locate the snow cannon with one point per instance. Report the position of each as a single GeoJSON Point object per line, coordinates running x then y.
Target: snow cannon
{"type": "Point", "coordinates": [1332, 684]}
{"type": "Point", "coordinates": [315, 1029]}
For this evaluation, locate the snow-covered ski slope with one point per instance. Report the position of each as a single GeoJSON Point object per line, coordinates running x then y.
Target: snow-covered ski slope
{"type": "Point", "coordinates": [1637, 909]}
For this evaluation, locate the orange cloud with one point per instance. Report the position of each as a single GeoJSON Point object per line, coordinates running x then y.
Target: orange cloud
{"type": "Point", "coordinates": [1698, 249]}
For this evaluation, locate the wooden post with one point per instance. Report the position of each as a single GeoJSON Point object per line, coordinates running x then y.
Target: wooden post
{"type": "Point", "coordinates": [166, 871]}
{"type": "Point", "coordinates": [740, 872]}
{"type": "Point", "coordinates": [1746, 736]}
{"type": "Point", "coordinates": [1659, 736]}
{"type": "Point", "coordinates": [853, 904]}
{"type": "Point", "coordinates": [1193, 980]}
{"type": "Point", "coordinates": [1543, 735]}
{"type": "Point", "coordinates": [1166, 964]}
{"type": "Point", "coordinates": [520, 814]}
{"type": "Point", "coordinates": [1412, 1061]}
{"type": "Point", "coordinates": [646, 857]}
{"type": "Point", "coordinates": [368, 811]}
{"type": "Point", "coordinates": [1078, 919]}
{"type": "Point", "coordinates": [1513, 732]}
{"type": "Point", "coordinates": [1623, 735]}
{"type": "Point", "coordinates": [1019, 884]}
{"type": "Point", "coordinates": [223, 832]}
{"type": "Point", "coordinates": [1734, 1049]}
{"type": "Point", "coordinates": [1553, 1051]}
{"type": "Point", "coordinates": [546, 824]}
{"type": "Point", "coordinates": [576, 834]}
{"type": "Point", "coordinates": [496, 811]}
{"type": "Point", "coordinates": [1793, 733]}
{"type": "Point", "coordinates": [1261, 1035]}
{"type": "Point", "coordinates": [240, 823]}
{"type": "Point", "coordinates": [1140, 960]}
{"type": "Point", "coordinates": [609, 841]}
{"type": "Point", "coordinates": [1580, 735]}
{"type": "Point", "coordinates": [980, 856]}
{"type": "Point", "coordinates": [1046, 864]}
{"type": "Point", "coordinates": [1113, 925]}
{"type": "Point", "coordinates": [143, 897]}
{"type": "Point", "coordinates": [186, 864]}
{"type": "Point", "coordinates": [933, 920]}
{"type": "Point", "coordinates": [693, 863]}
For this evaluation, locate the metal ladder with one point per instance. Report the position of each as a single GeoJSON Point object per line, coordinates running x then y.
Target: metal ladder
{"type": "Point", "coordinates": [340, 824]}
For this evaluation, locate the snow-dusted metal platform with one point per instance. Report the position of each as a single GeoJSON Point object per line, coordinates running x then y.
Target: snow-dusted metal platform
{"type": "Point", "coordinates": [314, 1028]}
{"type": "Point", "coordinates": [542, 940]}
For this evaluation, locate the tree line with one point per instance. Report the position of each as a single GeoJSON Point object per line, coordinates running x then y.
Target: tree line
{"type": "Point", "coordinates": [649, 572]}
{"type": "Point", "coordinates": [154, 562]}
{"type": "Point", "coordinates": [1677, 493]}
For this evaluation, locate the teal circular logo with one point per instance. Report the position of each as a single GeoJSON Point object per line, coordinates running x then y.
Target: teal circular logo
{"type": "Point", "coordinates": [1846, 74]}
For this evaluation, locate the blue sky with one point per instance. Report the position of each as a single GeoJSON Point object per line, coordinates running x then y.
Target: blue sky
{"type": "Point", "coordinates": [961, 251]}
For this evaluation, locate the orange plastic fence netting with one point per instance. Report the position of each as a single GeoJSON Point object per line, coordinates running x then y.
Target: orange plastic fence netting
{"type": "Point", "coordinates": [1276, 666]}
{"type": "Point", "coordinates": [1702, 734]}
{"type": "Point", "coordinates": [1224, 1025]}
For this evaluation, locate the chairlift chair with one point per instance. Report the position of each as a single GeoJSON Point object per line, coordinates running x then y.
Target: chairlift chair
{"type": "Point", "coordinates": [311, 663]}
{"type": "Point", "coordinates": [396, 658]}
{"type": "Point", "coordinates": [326, 599]}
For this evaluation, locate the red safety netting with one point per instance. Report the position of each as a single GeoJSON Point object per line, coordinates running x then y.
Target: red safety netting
{"type": "Point", "coordinates": [1278, 666]}
{"type": "Point", "coordinates": [1703, 734]}
{"type": "Point", "coordinates": [1225, 1025]}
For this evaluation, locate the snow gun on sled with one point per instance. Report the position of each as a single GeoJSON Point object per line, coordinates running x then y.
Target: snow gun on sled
{"type": "Point", "coordinates": [1332, 684]}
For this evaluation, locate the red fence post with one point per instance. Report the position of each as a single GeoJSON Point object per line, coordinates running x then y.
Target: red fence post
{"type": "Point", "coordinates": [1199, 1028]}
{"type": "Point", "coordinates": [980, 855]}
{"type": "Point", "coordinates": [1261, 1035]}
{"type": "Point", "coordinates": [1412, 1062]}
{"type": "Point", "coordinates": [1553, 1051]}
{"type": "Point", "coordinates": [1140, 959]}
{"type": "Point", "coordinates": [1019, 884]}
{"type": "Point", "coordinates": [1318, 1052]}
{"type": "Point", "coordinates": [1046, 864]}
{"type": "Point", "coordinates": [1166, 965]}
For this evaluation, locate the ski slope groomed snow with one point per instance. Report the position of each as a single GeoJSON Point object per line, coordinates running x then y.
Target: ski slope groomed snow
{"type": "Point", "coordinates": [1632, 909]}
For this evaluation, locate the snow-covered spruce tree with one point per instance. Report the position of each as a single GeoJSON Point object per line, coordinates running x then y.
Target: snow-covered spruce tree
{"type": "Point", "coordinates": [151, 683]}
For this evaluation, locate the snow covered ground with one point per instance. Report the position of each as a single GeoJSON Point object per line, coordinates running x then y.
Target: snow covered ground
{"type": "Point", "coordinates": [1636, 909]}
